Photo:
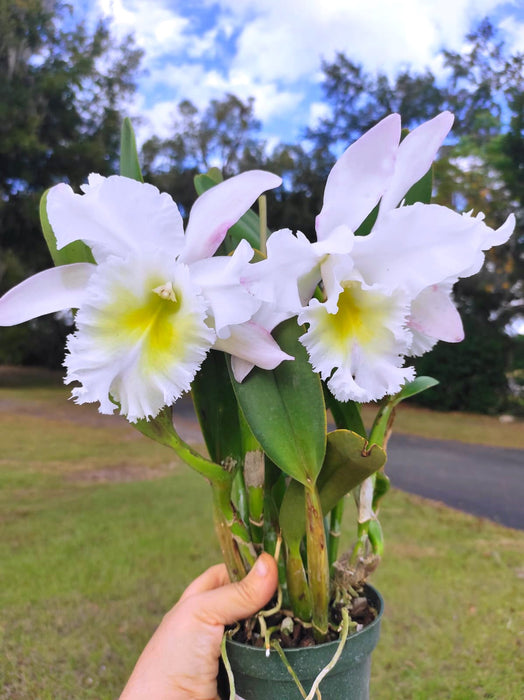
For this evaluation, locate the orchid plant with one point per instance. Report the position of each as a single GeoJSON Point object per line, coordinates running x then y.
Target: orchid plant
{"type": "Point", "coordinates": [267, 332]}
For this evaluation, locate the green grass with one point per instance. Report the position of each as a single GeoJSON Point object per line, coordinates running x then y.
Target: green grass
{"type": "Point", "coordinates": [102, 530]}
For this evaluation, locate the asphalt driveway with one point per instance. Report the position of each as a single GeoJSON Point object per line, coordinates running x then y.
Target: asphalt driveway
{"type": "Point", "coordinates": [484, 481]}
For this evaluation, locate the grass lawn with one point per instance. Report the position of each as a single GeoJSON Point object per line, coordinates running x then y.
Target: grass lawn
{"type": "Point", "coordinates": [102, 530]}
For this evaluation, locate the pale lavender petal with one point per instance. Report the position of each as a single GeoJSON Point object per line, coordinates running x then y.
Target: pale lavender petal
{"type": "Point", "coordinates": [116, 216]}
{"type": "Point", "coordinates": [254, 344]}
{"type": "Point", "coordinates": [216, 210]}
{"type": "Point", "coordinates": [220, 280]}
{"type": "Point", "coordinates": [414, 158]}
{"type": "Point", "coordinates": [434, 314]}
{"type": "Point", "coordinates": [45, 293]}
{"type": "Point", "coordinates": [417, 246]}
{"type": "Point", "coordinates": [359, 178]}
{"type": "Point", "coordinates": [241, 368]}
{"type": "Point", "coordinates": [290, 270]}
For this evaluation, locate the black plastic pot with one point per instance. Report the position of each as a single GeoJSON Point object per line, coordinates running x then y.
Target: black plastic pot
{"type": "Point", "coordinates": [258, 677]}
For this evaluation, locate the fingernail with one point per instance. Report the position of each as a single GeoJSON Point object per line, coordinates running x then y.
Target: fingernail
{"type": "Point", "coordinates": [261, 567]}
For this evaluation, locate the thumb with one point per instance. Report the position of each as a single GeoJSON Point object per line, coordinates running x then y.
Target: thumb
{"type": "Point", "coordinates": [236, 601]}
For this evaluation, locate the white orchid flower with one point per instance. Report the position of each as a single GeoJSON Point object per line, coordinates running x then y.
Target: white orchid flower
{"type": "Point", "coordinates": [387, 294]}
{"type": "Point", "coordinates": [156, 301]}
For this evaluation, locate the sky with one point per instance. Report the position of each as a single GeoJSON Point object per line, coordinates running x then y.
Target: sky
{"type": "Point", "coordinates": [272, 50]}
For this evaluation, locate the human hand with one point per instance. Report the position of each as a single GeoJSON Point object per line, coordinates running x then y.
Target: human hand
{"type": "Point", "coordinates": [180, 662]}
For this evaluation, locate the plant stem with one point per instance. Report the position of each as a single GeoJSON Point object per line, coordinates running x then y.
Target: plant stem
{"type": "Point", "coordinates": [317, 562]}
{"type": "Point", "coordinates": [162, 430]}
{"type": "Point", "coordinates": [228, 543]}
{"type": "Point", "coordinates": [334, 531]}
{"type": "Point", "coordinates": [232, 532]}
{"type": "Point", "coordinates": [297, 585]}
{"type": "Point", "coordinates": [262, 214]}
{"type": "Point", "coordinates": [254, 477]}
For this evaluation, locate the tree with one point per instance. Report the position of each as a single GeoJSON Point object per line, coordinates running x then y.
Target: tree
{"type": "Point", "coordinates": [223, 135]}
{"type": "Point", "coordinates": [62, 92]}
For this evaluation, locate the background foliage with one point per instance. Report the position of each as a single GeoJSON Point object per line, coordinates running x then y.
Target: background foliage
{"type": "Point", "coordinates": [63, 94]}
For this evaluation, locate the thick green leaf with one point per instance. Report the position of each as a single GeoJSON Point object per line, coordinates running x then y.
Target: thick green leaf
{"type": "Point", "coordinates": [346, 465]}
{"type": "Point", "coordinates": [376, 537]}
{"type": "Point", "coordinates": [365, 227]}
{"type": "Point", "coordinates": [285, 409]}
{"type": "Point", "coordinates": [382, 486]}
{"type": "Point", "coordinates": [217, 409]}
{"type": "Point", "coordinates": [129, 164]}
{"type": "Point", "coordinates": [421, 191]}
{"type": "Point", "coordinates": [207, 180]}
{"type": "Point", "coordinates": [74, 252]}
{"type": "Point", "coordinates": [384, 419]}
{"type": "Point", "coordinates": [417, 386]}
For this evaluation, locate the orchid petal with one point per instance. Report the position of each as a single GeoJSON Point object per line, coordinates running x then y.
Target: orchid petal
{"type": "Point", "coordinates": [359, 178]}
{"type": "Point", "coordinates": [290, 272]}
{"type": "Point", "coordinates": [116, 216]}
{"type": "Point", "coordinates": [253, 344]}
{"type": "Point", "coordinates": [360, 348]}
{"type": "Point", "coordinates": [217, 209]}
{"type": "Point", "coordinates": [434, 316]}
{"type": "Point", "coordinates": [46, 292]}
{"type": "Point", "coordinates": [141, 337]}
{"type": "Point", "coordinates": [241, 368]}
{"type": "Point", "coordinates": [221, 282]}
{"type": "Point", "coordinates": [414, 158]}
{"type": "Point", "coordinates": [417, 246]}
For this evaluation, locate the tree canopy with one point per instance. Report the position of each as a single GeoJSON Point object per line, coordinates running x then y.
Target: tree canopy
{"type": "Point", "coordinates": [63, 92]}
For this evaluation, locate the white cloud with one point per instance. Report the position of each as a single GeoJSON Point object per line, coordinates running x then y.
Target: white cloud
{"type": "Point", "coordinates": [157, 29]}
{"type": "Point", "coordinates": [280, 44]}
{"type": "Point", "coordinates": [317, 111]}
{"type": "Point", "coordinates": [283, 41]}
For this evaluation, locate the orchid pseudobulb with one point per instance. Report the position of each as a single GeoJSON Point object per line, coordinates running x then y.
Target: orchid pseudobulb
{"type": "Point", "coordinates": [156, 301]}
{"type": "Point", "coordinates": [387, 295]}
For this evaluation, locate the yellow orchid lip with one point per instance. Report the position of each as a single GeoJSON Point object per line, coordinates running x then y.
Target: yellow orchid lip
{"type": "Point", "coordinates": [359, 318]}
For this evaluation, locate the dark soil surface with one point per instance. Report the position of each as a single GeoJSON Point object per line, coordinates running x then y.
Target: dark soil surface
{"type": "Point", "coordinates": [293, 634]}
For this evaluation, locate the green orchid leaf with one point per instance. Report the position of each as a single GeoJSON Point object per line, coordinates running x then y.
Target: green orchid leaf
{"type": "Point", "coordinates": [417, 386]}
{"type": "Point", "coordinates": [376, 537]}
{"type": "Point", "coordinates": [285, 409]}
{"type": "Point", "coordinates": [346, 465]}
{"type": "Point", "coordinates": [384, 419]}
{"type": "Point", "coordinates": [217, 410]}
{"type": "Point", "coordinates": [421, 191]}
{"type": "Point", "coordinates": [348, 462]}
{"type": "Point", "coordinates": [129, 164]}
{"type": "Point", "coordinates": [346, 414]}
{"type": "Point", "coordinates": [292, 517]}
{"type": "Point", "coordinates": [206, 181]}
{"type": "Point", "coordinates": [382, 486]}
{"type": "Point", "coordinates": [74, 252]}
{"type": "Point", "coordinates": [365, 227]}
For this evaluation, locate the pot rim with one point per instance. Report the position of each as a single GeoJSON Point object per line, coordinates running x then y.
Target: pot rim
{"type": "Point", "coordinates": [325, 645]}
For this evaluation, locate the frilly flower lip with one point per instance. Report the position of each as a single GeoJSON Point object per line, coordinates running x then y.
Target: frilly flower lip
{"type": "Point", "coordinates": [387, 294]}
{"type": "Point", "coordinates": [156, 300]}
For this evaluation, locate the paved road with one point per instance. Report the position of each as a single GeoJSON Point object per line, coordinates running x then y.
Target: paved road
{"type": "Point", "coordinates": [485, 481]}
